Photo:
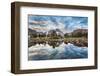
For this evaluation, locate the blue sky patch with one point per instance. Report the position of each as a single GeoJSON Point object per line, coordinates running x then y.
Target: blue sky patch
{"type": "Point", "coordinates": [64, 23]}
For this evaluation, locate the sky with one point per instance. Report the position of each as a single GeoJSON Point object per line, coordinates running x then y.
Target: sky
{"type": "Point", "coordinates": [64, 23]}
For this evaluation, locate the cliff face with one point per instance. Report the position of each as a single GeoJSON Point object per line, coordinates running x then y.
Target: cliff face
{"type": "Point", "coordinates": [80, 31]}
{"type": "Point", "coordinates": [56, 32]}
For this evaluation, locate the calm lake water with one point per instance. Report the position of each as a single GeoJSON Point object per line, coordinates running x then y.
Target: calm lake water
{"type": "Point", "coordinates": [48, 51]}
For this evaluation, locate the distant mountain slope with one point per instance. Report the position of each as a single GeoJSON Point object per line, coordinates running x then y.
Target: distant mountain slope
{"type": "Point", "coordinates": [58, 32]}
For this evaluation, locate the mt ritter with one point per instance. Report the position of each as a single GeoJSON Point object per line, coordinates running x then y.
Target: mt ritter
{"type": "Point", "coordinates": [57, 32]}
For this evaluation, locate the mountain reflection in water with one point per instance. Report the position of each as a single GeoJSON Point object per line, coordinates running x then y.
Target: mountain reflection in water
{"type": "Point", "coordinates": [56, 50]}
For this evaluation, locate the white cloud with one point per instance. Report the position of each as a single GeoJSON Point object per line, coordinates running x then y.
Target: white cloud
{"type": "Point", "coordinates": [65, 24]}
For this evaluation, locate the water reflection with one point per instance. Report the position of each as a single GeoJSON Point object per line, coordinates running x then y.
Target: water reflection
{"type": "Point", "coordinates": [56, 50]}
{"type": "Point", "coordinates": [51, 43]}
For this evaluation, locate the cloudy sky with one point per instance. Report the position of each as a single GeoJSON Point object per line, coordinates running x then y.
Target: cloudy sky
{"type": "Point", "coordinates": [64, 23]}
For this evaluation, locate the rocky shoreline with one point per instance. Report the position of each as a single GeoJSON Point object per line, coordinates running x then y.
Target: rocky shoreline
{"type": "Point", "coordinates": [57, 42]}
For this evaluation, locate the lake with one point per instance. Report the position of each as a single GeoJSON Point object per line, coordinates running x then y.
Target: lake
{"type": "Point", "coordinates": [56, 50]}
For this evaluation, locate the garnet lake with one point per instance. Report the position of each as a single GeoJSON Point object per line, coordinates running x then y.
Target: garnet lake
{"type": "Point", "coordinates": [60, 51]}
